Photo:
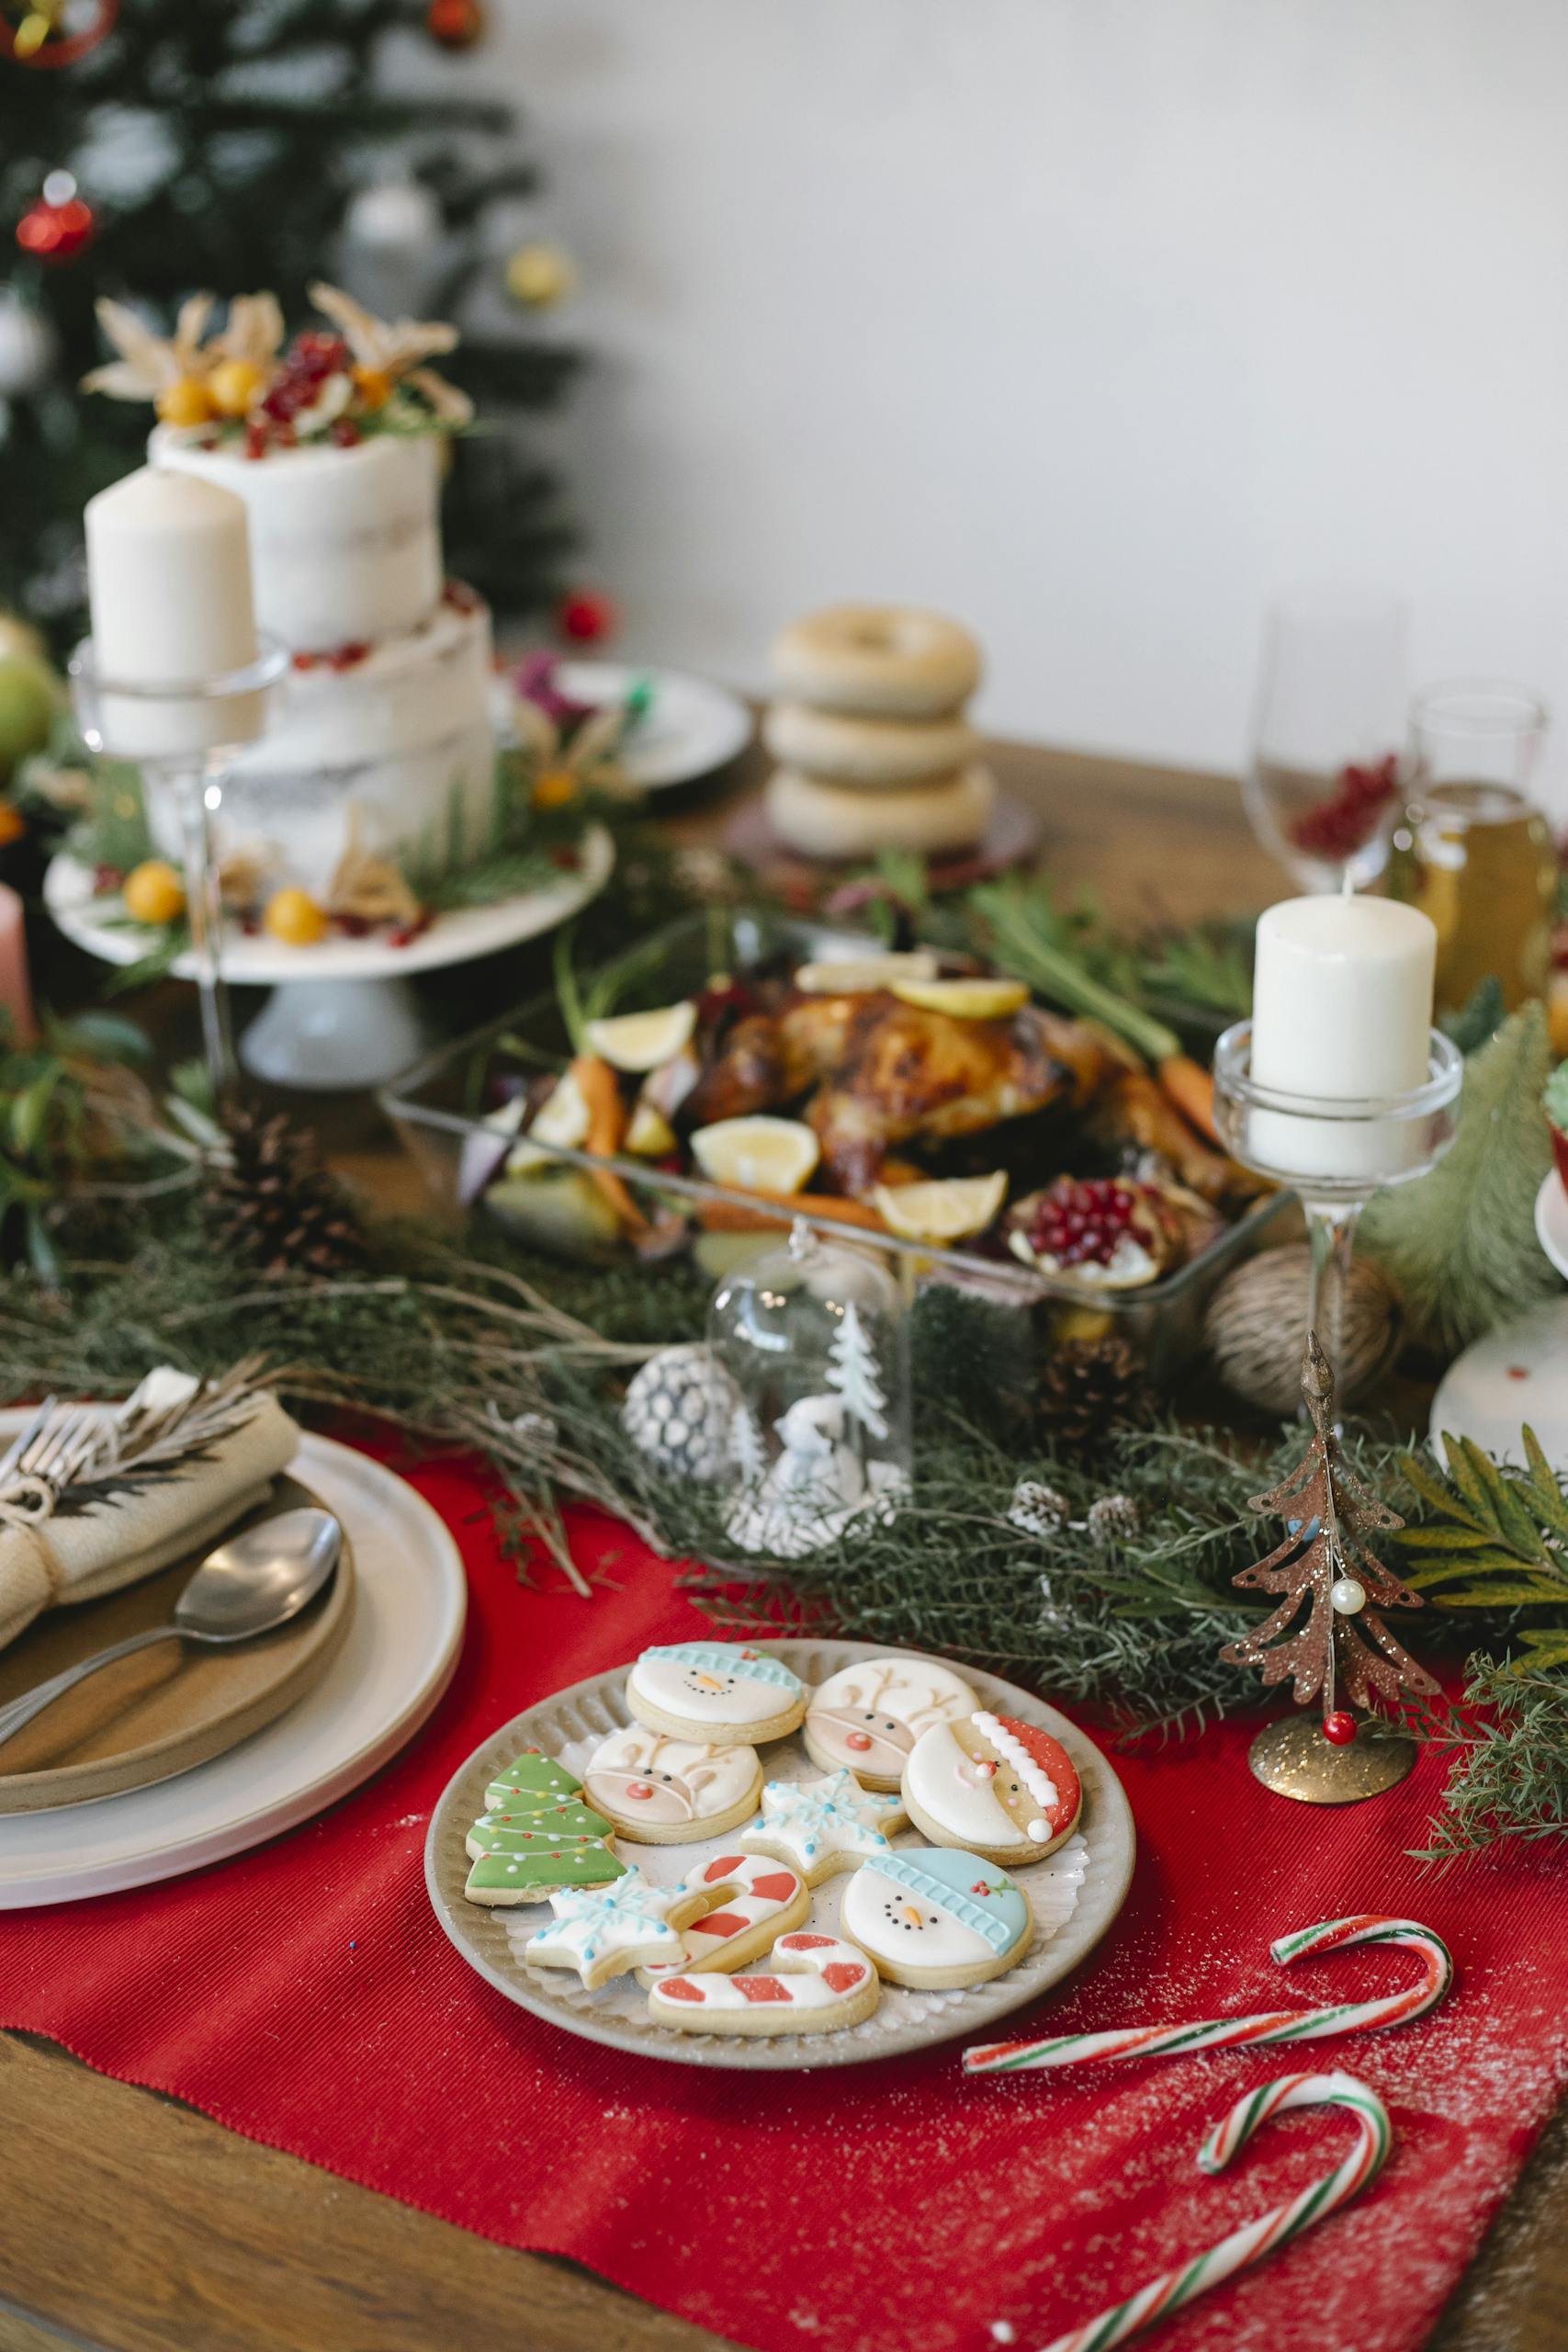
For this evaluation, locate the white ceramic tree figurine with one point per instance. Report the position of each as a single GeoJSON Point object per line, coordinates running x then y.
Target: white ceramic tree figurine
{"type": "Point", "coordinates": [852, 1370]}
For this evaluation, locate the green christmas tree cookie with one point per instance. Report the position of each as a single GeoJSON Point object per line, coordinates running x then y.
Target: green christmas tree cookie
{"type": "Point", "coordinates": [536, 1837]}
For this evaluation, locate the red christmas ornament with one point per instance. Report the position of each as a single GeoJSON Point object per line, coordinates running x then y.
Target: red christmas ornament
{"type": "Point", "coordinates": [1339, 1728]}
{"type": "Point", "coordinates": [586, 616]}
{"type": "Point", "coordinates": [60, 225]}
{"type": "Point", "coordinates": [51, 32]}
{"type": "Point", "coordinates": [455, 23]}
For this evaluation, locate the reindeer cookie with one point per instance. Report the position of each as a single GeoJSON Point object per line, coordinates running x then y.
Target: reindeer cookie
{"type": "Point", "coordinates": [998, 1786]}
{"type": "Point", "coordinates": [715, 1691]}
{"type": "Point", "coordinates": [665, 1791]}
{"type": "Point", "coordinates": [869, 1716]}
{"type": "Point", "coordinates": [754, 1899]}
{"type": "Point", "coordinates": [936, 1918]}
{"type": "Point", "coordinates": [818, 1984]}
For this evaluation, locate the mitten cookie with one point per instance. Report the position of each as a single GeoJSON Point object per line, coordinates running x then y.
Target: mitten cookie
{"type": "Point", "coordinates": [994, 1785]}
{"type": "Point", "coordinates": [869, 1716]}
{"type": "Point", "coordinates": [666, 1791]}
{"type": "Point", "coordinates": [935, 1916]}
{"type": "Point", "coordinates": [715, 1691]}
{"type": "Point", "coordinates": [535, 1836]}
{"type": "Point", "coordinates": [818, 1984]}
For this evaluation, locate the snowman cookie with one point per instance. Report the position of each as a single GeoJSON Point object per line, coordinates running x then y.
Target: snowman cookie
{"type": "Point", "coordinates": [817, 1985]}
{"type": "Point", "coordinates": [715, 1691]}
{"type": "Point", "coordinates": [996, 1785]}
{"type": "Point", "coordinates": [935, 1916]}
{"type": "Point", "coordinates": [869, 1716]}
{"type": "Point", "coordinates": [603, 1933]}
{"type": "Point", "coordinates": [753, 1898]}
{"type": "Point", "coordinates": [665, 1791]}
{"type": "Point", "coordinates": [535, 1835]}
{"type": "Point", "coordinates": [821, 1827]}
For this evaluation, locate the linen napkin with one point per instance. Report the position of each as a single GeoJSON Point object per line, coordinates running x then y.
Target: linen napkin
{"type": "Point", "coordinates": [82, 1548]}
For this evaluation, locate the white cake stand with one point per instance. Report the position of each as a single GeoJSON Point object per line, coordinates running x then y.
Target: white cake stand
{"type": "Point", "coordinates": [341, 1016]}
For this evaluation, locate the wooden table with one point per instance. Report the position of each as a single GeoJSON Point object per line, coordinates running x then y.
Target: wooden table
{"type": "Point", "coordinates": [131, 2222]}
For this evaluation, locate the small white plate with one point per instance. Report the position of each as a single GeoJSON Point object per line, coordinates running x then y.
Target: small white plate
{"type": "Point", "coordinates": [456, 938]}
{"type": "Point", "coordinates": [400, 1650]}
{"type": "Point", "coordinates": [691, 727]}
{"type": "Point", "coordinates": [1517, 1373]}
{"type": "Point", "coordinates": [1073, 1893]}
{"type": "Point", "coordinates": [1551, 1220]}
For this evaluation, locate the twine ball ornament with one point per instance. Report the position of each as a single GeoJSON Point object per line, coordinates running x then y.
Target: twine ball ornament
{"type": "Point", "coordinates": [678, 1411]}
{"type": "Point", "coordinates": [1256, 1326]}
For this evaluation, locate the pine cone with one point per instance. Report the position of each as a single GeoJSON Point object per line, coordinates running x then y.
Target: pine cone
{"type": "Point", "coordinates": [276, 1208]}
{"type": "Point", "coordinates": [1089, 1387]}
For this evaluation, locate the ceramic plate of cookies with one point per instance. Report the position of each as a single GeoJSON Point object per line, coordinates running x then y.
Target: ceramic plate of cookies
{"type": "Point", "coordinates": [780, 1854]}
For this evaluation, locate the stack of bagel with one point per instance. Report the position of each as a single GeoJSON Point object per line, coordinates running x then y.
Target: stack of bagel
{"type": "Point", "coordinates": [874, 748]}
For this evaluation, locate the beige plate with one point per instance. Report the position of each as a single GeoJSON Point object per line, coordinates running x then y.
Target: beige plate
{"type": "Point", "coordinates": [1074, 1892]}
{"type": "Point", "coordinates": [167, 1708]}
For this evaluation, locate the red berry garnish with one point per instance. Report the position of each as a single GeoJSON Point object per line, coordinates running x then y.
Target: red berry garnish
{"type": "Point", "coordinates": [347, 657]}
{"type": "Point", "coordinates": [306, 660]}
{"type": "Point", "coordinates": [1082, 1223]}
{"type": "Point", "coordinates": [346, 433]}
{"type": "Point", "coordinates": [1336, 828]}
{"type": "Point", "coordinates": [1339, 1728]}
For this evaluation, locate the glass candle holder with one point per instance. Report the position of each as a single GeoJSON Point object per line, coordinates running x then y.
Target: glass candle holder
{"type": "Point", "coordinates": [1334, 1153]}
{"type": "Point", "coordinates": [182, 736]}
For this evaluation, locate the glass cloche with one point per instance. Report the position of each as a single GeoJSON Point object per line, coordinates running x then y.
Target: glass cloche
{"type": "Point", "coordinates": [815, 1338]}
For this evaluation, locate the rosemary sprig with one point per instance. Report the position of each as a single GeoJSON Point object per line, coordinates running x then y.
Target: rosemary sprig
{"type": "Point", "coordinates": [1026, 936]}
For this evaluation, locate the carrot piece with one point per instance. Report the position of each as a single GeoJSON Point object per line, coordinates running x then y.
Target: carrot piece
{"type": "Point", "coordinates": [1191, 1089]}
{"type": "Point", "coordinates": [601, 1089]}
{"type": "Point", "coordinates": [729, 1217]}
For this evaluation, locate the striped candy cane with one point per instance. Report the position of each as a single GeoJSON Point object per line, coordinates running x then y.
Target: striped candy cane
{"type": "Point", "coordinates": [1278, 2025]}
{"type": "Point", "coordinates": [1174, 2287]}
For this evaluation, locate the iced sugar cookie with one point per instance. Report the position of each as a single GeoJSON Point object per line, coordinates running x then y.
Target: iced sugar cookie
{"type": "Point", "coordinates": [993, 1784]}
{"type": "Point", "coordinates": [818, 1984]}
{"type": "Point", "coordinates": [666, 1791]}
{"type": "Point", "coordinates": [629, 1925]}
{"type": "Point", "coordinates": [754, 1900]}
{"type": "Point", "coordinates": [821, 1827]}
{"type": "Point", "coordinates": [934, 1916]}
{"type": "Point", "coordinates": [715, 1691]}
{"type": "Point", "coordinates": [869, 1716]}
{"type": "Point", "coordinates": [536, 1836]}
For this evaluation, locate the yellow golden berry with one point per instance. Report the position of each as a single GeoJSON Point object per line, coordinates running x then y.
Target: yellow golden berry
{"type": "Point", "coordinates": [374, 385]}
{"type": "Point", "coordinates": [294, 917]}
{"type": "Point", "coordinates": [184, 401]}
{"type": "Point", "coordinates": [554, 788]}
{"type": "Point", "coordinates": [153, 893]}
{"type": "Point", "coordinates": [539, 276]}
{"type": "Point", "coordinates": [235, 386]}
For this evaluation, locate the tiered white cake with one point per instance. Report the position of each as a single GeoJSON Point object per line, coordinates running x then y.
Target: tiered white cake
{"type": "Point", "coordinates": [383, 721]}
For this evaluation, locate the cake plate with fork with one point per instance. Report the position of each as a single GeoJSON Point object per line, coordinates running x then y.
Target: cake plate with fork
{"type": "Point", "coordinates": [341, 1015]}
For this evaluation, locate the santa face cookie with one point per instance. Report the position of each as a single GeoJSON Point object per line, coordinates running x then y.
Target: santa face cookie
{"type": "Point", "coordinates": [629, 1925]}
{"type": "Point", "coordinates": [536, 1836]}
{"type": "Point", "coordinates": [753, 1898]}
{"type": "Point", "coordinates": [715, 1691]}
{"type": "Point", "coordinates": [934, 1916]}
{"type": "Point", "coordinates": [869, 1716]}
{"type": "Point", "coordinates": [817, 1985]}
{"type": "Point", "coordinates": [821, 1827]}
{"type": "Point", "coordinates": [666, 1791]}
{"type": "Point", "coordinates": [993, 1784]}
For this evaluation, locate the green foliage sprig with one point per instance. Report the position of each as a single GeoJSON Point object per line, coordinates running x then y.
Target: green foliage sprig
{"type": "Point", "coordinates": [1498, 1540]}
{"type": "Point", "coordinates": [1509, 1753]}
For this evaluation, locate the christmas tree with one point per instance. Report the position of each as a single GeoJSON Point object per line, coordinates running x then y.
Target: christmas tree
{"type": "Point", "coordinates": [151, 149]}
{"type": "Point", "coordinates": [852, 1372]}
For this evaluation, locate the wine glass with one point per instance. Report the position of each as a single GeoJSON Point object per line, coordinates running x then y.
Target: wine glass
{"type": "Point", "coordinates": [1325, 784]}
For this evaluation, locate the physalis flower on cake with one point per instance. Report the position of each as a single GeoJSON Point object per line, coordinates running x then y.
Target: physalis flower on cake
{"type": "Point", "coordinates": [358, 376]}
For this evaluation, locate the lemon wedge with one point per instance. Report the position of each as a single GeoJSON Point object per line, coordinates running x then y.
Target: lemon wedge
{"type": "Point", "coordinates": [562, 1121]}
{"type": "Point", "coordinates": [954, 1210]}
{"type": "Point", "coordinates": [650, 1135]}
{"type": "Point", "coordinates": [639, 1042]}
{"type": "Point", "coordinates": [759, 1155]}
{"type": "Point", "coordinates": [859, 975]}
{"type": "Point", "coordinates": [965, 1000]}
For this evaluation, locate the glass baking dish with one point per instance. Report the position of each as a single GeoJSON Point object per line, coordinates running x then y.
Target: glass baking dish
{"type": "Point", "coordinates": [440, 1107]}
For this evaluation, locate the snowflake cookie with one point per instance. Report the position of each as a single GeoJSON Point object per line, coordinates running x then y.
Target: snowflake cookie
{"type": "Point", "coordinates": [821, 1827]}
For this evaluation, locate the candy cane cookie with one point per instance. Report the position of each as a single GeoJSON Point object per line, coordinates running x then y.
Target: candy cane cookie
{"type": "Point", "coordinates": [818, 1984]}
{"type": "Point", "coordinates": [755, 1899]}
{"type": "Point", "coordinates": [1268, 2025]}
{"type": "Point", "coordinates": [1254, 2239]}
{"type": "Point", "coordinates": [994, 1785]}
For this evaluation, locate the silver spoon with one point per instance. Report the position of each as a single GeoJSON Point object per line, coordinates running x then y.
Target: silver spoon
{"type": "Point", "coordinates": [255, 1581]}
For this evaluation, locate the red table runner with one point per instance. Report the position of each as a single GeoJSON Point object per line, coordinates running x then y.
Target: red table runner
{"type": "Point", "coordinates": [304, 1995]}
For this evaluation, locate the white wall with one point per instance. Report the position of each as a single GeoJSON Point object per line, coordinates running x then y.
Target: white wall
{"type": "Point", "coordinates": [1088, 321]}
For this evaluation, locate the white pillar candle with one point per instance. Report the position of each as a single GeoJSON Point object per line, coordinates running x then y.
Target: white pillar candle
{"type": "Point", "coordinates": [1341, 1012]}
{"type": "Point", "coordinates": [169, 587]}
